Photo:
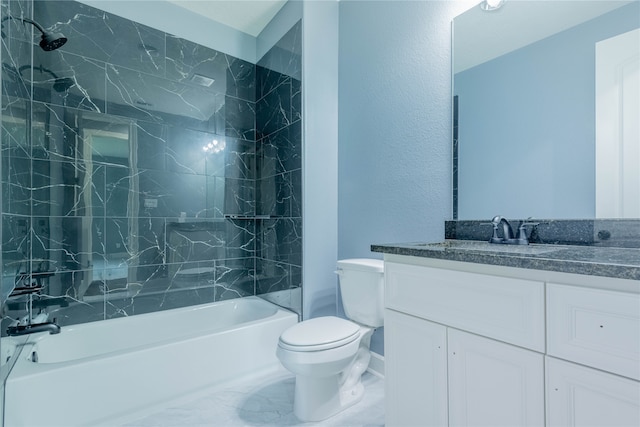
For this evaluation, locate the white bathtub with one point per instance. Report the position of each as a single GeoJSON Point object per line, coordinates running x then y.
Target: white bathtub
{"type": "Point", "coordinates": [95, 373]}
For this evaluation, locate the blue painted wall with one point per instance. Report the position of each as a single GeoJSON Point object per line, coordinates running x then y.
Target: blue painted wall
{"type": "Point", "coordinates": [394, 164]}
{"type": "Point", "coordinates": [545, 168]}
{"type": "Point", "coordinates": [320, 157]}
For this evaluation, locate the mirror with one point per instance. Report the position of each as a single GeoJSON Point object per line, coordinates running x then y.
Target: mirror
{"type": "Point", "coordinates": [534, 134]}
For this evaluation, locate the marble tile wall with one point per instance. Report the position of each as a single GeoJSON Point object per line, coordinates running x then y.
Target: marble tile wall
{"type": "Point", "coordinates": [133, 164]}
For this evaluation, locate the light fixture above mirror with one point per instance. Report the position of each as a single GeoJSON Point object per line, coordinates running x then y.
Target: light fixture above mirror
{"type": "Point", "coordinates": [491, 5]}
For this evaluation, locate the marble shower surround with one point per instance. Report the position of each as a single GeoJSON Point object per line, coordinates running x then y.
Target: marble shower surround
{"type": "Point", "coordinates": [96, 178]}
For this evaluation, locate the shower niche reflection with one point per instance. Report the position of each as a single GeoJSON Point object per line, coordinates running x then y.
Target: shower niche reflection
{"type": "Point", "coordinates": [133, 190]}
{"type": "Point", "coordinates": [111, 234]}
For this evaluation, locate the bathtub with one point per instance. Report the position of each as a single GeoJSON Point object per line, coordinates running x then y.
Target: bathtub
{"type": "Point", "coordinates": [95, 373]}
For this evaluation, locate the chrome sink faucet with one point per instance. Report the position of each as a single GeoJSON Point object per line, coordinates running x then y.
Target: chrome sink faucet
{"type": "Point", "coordinates": [508, 237]}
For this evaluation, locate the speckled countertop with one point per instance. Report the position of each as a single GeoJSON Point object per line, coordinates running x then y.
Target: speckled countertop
{"type": "Point", "coordinates": [623, 263]}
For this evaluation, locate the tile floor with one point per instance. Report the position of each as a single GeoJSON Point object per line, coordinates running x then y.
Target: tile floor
{"type": "Point", "coordinates": [267, 401]}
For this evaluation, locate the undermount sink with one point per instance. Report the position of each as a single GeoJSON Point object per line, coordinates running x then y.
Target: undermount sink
{"type": "Point", "coordinates": [474, 245]}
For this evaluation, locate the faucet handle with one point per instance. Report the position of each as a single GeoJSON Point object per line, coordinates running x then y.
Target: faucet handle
{"type": "Point", "coordinates": [494, 236]}
{"type": "Point", "coordinates": [524, 223]}
{"type": "Point", "coordinates": [522, 231]}
{"type": "Point", "coordinates": [529, 221]}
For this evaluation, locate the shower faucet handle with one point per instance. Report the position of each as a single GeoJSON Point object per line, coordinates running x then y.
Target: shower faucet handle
{"type": "Point", "coordinates": [25, 290]}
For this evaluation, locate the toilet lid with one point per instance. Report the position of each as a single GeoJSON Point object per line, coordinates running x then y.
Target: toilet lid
{"type": "Point", "coordinates": [362, 264]}
{"type": "Point", "coordinates": [320, 333]}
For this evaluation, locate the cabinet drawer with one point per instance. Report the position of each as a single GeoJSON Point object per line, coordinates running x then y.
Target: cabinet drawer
{"type": "Point", "coordinates": [510, 310]}
{"type": "Point", "coordinates": [598, 328]}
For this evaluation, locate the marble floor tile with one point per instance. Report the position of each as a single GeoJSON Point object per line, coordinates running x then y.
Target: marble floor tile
{"type": "Point", "coordinates": [267, 401]}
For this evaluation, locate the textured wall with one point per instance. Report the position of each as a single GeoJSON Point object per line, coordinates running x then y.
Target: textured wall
{"type": "Point", "coordinates": [320, 156]}
{"type": "Point", "coordinates": [395, 123]}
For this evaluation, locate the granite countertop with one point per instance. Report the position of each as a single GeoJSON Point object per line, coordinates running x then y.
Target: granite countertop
{"type": "Point", "coordinates": [623, 263]}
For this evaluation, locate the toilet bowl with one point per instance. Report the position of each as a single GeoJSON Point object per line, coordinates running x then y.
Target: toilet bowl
{"type": "Point", "coordinates": [328, 355]}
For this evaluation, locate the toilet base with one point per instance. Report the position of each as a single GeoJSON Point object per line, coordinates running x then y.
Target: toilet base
{"type": "Point", "coordinates": [317, 399]}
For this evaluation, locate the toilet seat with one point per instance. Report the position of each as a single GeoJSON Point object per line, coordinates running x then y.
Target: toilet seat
{"type": "Point", "coordinates": [321, 333]}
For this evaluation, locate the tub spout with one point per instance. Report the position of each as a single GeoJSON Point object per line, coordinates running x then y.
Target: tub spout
{"type": "Point", "coordinates": [34, 328]}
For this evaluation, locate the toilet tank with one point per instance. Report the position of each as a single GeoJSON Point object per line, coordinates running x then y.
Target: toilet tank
{"type": "Point", "coordinates": [362, 290]}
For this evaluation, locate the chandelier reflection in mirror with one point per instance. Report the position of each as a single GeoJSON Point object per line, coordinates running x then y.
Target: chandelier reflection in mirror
{"type": "Point", "coordinates": [214, 147]}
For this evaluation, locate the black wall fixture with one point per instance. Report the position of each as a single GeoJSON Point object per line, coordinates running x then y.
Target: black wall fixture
{"type": "Point", "coordinates": [49, 40]}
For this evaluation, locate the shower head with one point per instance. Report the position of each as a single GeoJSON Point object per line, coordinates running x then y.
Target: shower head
{"type": "Point", "coordinates": [52, 41]}
{"type": "Point", "coordinates": [49, 41]}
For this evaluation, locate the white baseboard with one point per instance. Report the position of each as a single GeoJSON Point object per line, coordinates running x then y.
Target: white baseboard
{"type": "Point", "coordinates": [376, 365]}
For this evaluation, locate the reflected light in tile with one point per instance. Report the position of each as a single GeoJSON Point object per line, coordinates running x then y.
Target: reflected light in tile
{"type": "Point", "coordinates": [214, 146]}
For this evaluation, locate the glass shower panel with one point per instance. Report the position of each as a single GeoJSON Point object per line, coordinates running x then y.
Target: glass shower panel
{"type": "Point", "coordinates": [279, 181]}
{"type": "Point", "coordinates": [152, 176]}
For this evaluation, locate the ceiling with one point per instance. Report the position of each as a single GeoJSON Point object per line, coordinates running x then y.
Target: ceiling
{"type": "Point", "coordinates": [248, 16]}
{"type": "Point", "coordinates": [480, 36]}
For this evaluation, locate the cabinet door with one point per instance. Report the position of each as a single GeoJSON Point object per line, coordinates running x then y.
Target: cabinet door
{"type": "Point", "coordinates": [415, 353]}
{"type": "Point", "coordinates": [581, 396]}
{"type": "Point", "coordinates": [493, 384]}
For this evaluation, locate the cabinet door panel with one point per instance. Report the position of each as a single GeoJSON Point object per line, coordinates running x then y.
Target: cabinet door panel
{"type": "Point", "coordinates": [493, 384]}
{"type": "Point", "coordinates": [415, 371]}
{"type": "Point", "coordinates": [581, 396]}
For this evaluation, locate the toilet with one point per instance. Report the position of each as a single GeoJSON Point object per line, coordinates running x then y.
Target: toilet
{"type": "Point", "coordinates": [328, 355]}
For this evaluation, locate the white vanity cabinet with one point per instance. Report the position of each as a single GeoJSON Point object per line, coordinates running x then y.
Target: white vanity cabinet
{"type": "Point", "coordinates": [471, 345]}
{"type": "Point", "coordinates": [438, 373]}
